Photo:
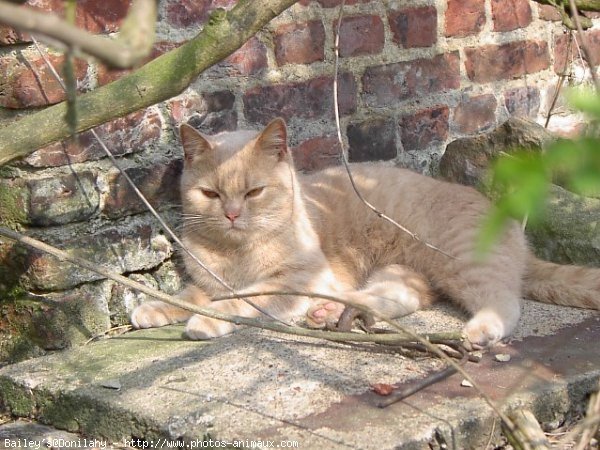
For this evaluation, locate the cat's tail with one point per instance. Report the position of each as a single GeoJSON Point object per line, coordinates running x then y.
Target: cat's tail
{"type": "Point", "coordinates": [562, 284]}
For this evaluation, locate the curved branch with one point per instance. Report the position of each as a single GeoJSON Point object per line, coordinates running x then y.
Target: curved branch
{"type": "Point", "coordinates": [160, 79]}
{"type": "Point", "coordinates": [133, 44]}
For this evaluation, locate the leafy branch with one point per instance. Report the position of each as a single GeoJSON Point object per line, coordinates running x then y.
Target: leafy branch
{"type": "Point", "coordinates": [133, 44]}
{"type": "Point", "coordinates": [160, 79]}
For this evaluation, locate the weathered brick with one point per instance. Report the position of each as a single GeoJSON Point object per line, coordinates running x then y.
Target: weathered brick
{"type": "Point", "coordinates": [130, 246]}
{"type": "Point", "coordinates": [317, 153]}
{"type": "Point", "coordinates": [475, 114]}
{"type": "Point", "coordinates": [372, 140]}
{"type": "Point", "coordinates": [31, 84]}
{"type": "Point", "coordinates": [509, 15]}
{"type": "Point", "coordinates": [565, 49]}
{"type": "Point", "coordinates": [464, 17]}
{"type": "Point", "coordinates": [414, 27]}
{"type": "Point", "coordinates": [14, 202]}
{"type": "Point", "coordinates": [512, 60]}
{"type": "Point", "coordinates": [361, 35]}
{"type": "Point", "coordinates": [249, 59]}
{"type": "Point", "coordinates": [187, 13]}
{"type": "Point", "coordinates": [159, 184]}
{"type": "Point", "coordinates": [548, 12]}
{"type": "Point", "coordinates": [122, 136]}
{"type": "Point", "coordinates": [58, 200]}
{"type": "Point", "coordinates": [385, 85]}
{"type": "Point", "coordinates": [424, 128]}
{"type": "Point", "coordinates": [211, 112]}
{"type": "Point", "coordinates": [103, 16]}
{"type": "Point", "coordinates": [309, 100]}
{"type": "Point", "coordinates": [10, 36]}
{"type": "Point", "coordinates": [523, 101]}
{"type": "Point", "coordinates": [300, 43]}
{"type": "Point", "coordinates": [335, 3]}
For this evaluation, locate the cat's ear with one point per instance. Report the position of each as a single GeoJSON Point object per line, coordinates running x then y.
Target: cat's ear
{"type": "Point", "coordinates": [195, 145]}
{"type": "Point", "coordinates": [273, 140]}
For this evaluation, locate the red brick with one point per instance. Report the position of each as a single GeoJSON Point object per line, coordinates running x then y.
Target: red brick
{"type": "Point", "coordinates": [309, 100]}
{"type": "Point", "coordinates": [249, 59]}
{"type": "Point", "coordinates": [372, 140]}
{"type": "Point", "coordinates": [464, 17]}
{"type": "Point", "coordinates": [424, 128]}
{"type": "Point", "coordinates": [335, 3]}
{"type": "Point", "coordinates": [501, 62]}
{"type": "Point", "coordinates": [22, 87]}
{"type": "Point", "coordinates": [300, 43]}
{"type": "Point", "coordinates": [386, 85]}
{"type": "Point", "coordinates": [523, 101]}
{"type": "Point", "coordinates": [317, 153]}
{"type": "Point", "coordinates": [10, 36]}
{"type": "Point", "coordinates": [475, 114]}
{"type": "Point", "coordinates": [103, 16]}
{"type": "Point", "coordinates": [361, 35]}
{"type": "Point", "coordinates": [159, 184]}
{"type": "Point", "coordinates": [509, 15]}
{"type": "Point", "coordinates": [593, 42]}
{"type": "Point", "coordinates": [548, 12]}
{"type": "Point", "coordinates": [187, 13]}
{"type": "Point", "coordinates": [122, 136]}
{"type": "Point", "coordinates": [564, 48]}
{"type": "Point", "coordinates": [414, 27]}
{"type": "Point", "coordinates": [208, 112]}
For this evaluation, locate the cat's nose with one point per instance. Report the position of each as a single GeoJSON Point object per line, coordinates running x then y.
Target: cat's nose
{"type": "Point", "coordinates": [232, 215]}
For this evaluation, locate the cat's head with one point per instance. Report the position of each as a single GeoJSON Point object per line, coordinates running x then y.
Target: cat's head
{"type": "Point", "coordinates": [236, 184]}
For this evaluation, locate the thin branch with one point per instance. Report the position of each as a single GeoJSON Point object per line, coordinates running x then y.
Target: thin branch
{"type": "Point", "coordinates": [145, 201]}
{"type": "Point", "coordinates": [584, 44]}
{"type": "Point", "coordinates": [380, 214]}
{"type": "Point", "coordinates": [133, 44]}
{"type": "Point", "coordinates": [392, 338]}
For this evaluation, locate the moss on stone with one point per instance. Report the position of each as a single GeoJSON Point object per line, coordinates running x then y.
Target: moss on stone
{"type": "Point", "coordinates": [13, 200]}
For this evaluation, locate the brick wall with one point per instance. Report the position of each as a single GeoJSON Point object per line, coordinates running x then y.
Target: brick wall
{"type": "Point", "coordinates": [413, 77]}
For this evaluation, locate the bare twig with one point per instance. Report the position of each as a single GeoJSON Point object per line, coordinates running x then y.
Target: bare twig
{"type": "Point", "coordinates": [584, 45]}
{"type": "Point", "coordinates": [396, 338]}
{"type": "Point", "coordinates": [369, 205]}
{"type": "Point", "coordinates": [133, 44]}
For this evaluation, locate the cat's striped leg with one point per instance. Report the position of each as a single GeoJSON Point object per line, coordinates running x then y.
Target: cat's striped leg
{"type": "Point", "coordinates": [391, 291]}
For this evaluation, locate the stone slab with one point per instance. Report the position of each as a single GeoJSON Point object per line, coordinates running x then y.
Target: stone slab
{"type": "Point", "coordinates": [260, 386]}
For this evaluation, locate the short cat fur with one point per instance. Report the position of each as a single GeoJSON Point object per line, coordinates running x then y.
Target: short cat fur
{"type": "Point", "coordinates": [262, 226]}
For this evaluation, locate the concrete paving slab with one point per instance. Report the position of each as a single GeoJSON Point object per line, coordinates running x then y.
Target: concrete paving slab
{"type": "Point", "coordinates": [260, 387]}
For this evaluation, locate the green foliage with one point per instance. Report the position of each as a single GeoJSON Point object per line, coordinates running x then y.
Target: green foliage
{"type": "Point", "coordinates": [520, 181]}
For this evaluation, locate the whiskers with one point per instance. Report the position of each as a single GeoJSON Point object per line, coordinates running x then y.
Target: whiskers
{"type": "Point", "coordinates": [204, 223]}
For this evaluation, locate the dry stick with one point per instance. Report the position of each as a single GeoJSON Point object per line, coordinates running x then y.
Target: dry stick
{"type": "Point", "coordinates": [508, 423]}
{"type": "Point", "coordinates": [143, 198]}
{"type": "Point", "coordinates": [584, 44]}
{"type": "Point", "coordinates": [380, 214]}
{"type": "Point", "coordinates": [397, 338]}
{"type": "Point", "coordinates": [561, 80]}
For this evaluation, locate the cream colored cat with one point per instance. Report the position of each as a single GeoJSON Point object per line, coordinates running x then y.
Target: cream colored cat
{"type": "Point", "coordinates": [263, 227]}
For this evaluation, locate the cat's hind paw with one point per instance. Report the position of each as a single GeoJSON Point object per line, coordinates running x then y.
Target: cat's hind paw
{"type": "Point", "coordinates": [324, 314]}
{"type": "Point", "coordinates": [200, 328]}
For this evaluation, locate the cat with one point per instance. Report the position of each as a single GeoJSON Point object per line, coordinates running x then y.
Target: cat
{"type": "Point", "coordinates": [261, 226]}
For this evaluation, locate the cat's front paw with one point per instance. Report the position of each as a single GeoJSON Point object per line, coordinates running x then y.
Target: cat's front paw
{"type": "Point", "coordinates": [485, 330]}
{"type": "Point", "coordinates": [324, 314]}
{"type": "Point", "coordinates": [200, 328]}
{"type": "Point", "coordinates": [157, 314]}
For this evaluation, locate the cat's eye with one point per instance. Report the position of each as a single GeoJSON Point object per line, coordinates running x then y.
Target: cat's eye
{"type": "Point", "coordinates": [254, 192]}
{"type": "Point", "coordinates": [210, 194]}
